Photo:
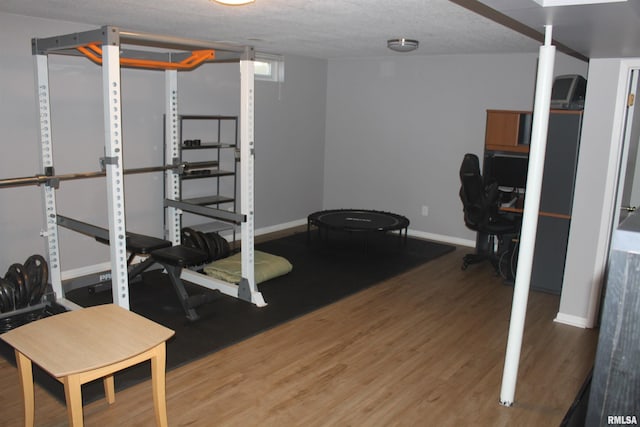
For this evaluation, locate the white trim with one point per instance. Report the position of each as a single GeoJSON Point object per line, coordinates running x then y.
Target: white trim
{"type": "Point", "coordinates": [280, 227]}
{"type": "Point", "coordinates": [86, 270]}
{"type": "Point", "coordinates": [442, 238]}
{"type": "Point", "coordinates": [567, 319]}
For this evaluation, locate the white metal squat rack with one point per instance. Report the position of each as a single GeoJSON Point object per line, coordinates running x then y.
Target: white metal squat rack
{"type": "Point", "coordinates": [110, 47]}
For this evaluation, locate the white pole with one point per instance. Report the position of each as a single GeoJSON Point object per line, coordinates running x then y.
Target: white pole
{"type": "Point", "coordinates": [541, 107]}
{"type": "Point", "coordinates": [172, 151]}
{"type": "Point", "coordinates": [46, 157]}
{"type": "Point", "coordinates": [115, 177]}
{"type": "Point", "coordinates": [247, 162]}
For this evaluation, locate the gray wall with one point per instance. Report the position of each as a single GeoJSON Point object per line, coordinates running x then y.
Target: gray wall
{"type": "Point", "coordinates": [289, 125]}
{"type": "Point", "coordinates": [397, 130]}
{"type": "Point", "coordinates": [379, 133]}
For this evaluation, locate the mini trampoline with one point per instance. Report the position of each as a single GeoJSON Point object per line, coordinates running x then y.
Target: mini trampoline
{"type": "Point", "coordinates": [357, 221]}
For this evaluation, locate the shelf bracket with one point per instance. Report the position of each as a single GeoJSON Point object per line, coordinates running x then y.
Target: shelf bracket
{"type": "Point", "coordinates": [104, 161]}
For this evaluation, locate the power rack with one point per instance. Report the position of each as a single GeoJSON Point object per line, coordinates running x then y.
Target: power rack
{"type": "Point", "coordinates": [112, 48]}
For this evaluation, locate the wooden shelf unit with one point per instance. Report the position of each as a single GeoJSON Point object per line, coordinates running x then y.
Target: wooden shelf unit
{"type": "Point", "coordinates": [508, 131]}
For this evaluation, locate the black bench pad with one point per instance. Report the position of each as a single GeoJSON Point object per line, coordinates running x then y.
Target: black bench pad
{"type": "Point", "coordinates": [180, 256]}
{"type": "Point", "coordinates": [140, 244]}
{"type": "Point", "coordinates": [136, 243]}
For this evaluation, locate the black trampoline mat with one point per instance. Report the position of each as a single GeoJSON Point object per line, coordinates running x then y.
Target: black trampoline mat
{"type": "Point", "coordinates": [358, 220]}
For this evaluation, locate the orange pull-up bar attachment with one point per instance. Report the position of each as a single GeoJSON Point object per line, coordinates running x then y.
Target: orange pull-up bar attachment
{"type": "Point", "coordinates": [93, 51]}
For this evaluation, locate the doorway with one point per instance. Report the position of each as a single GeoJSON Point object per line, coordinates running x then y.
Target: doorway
{"type": "Point", "coordinates": [629, 181]}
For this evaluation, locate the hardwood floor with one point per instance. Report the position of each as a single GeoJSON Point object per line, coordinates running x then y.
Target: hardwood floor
{"type": "Point", "coordinates": [425, 348]}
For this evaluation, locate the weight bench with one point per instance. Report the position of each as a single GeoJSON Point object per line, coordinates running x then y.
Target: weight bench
{"type": "Point", "coordinates": [172, 258]}
{"type": "Point", "coordinates": [137, 244]}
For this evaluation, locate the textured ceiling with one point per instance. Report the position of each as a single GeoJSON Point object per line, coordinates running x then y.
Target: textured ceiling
{"type": "Point", "coordinates": [359, 28]}
{"type": "Point", "coordinates": [315, 28]}
{"type": "Point", "coordinates": [594, 30]}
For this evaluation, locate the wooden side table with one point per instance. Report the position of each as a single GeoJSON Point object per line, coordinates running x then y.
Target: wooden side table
{"type": "Point", "coordinates": [83, 345]}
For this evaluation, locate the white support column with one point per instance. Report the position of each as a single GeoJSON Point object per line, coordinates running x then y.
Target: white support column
{"type": "Point", "coordinates": [537, 150]}
{"type": "Point", "coordinates": [114, 170]}
{"type": "Point", "coordinates": [46, 161]}
{"type": "Point", "coordinates": [247, 154]}
{"type": "Point", "coordinates": [172, 151]}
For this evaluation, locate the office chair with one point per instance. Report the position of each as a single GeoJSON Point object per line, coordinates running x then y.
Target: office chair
{"type": "Point", "coordinates": [480, 204]}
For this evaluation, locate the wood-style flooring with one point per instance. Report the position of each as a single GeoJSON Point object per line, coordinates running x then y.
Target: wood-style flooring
{"type": "Point", "coordinates": [425, 348]}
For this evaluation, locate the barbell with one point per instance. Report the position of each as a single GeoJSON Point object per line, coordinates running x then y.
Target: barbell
{"type": "Point", "coordinates": [53, 180]}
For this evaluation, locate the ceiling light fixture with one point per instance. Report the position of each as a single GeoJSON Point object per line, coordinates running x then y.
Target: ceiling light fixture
{"type": "Point", "coordinates": [234, 2]}
{"type": "Point", "coordinates": [402, 45]}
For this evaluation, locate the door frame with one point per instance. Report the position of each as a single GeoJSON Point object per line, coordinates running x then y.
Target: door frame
{"type": "Point", "coordinates": [628, 158]}
{"type": "Point", "coordinates": [611, 191]}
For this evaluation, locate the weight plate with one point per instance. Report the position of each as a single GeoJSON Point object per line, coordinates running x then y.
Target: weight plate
{"type": "Point", "coordinates": [211, 246]}
{"type": "Point", "coordinates": [38, 273]}
{"type": "Point", "coordinates": [33, 273]}
{"type": "Point", "coordinates": [6, 296]}
{"type": "Point", "coordinates": [192, 239]}
{"type": "Point", "coordinates": [223, 245]}
{"type": "Point", "coordinates": [186, 238]}
{"type": "Point", "coordinates": [214, 244]}
{"type": "Point", "coordinates": [211, 249]}
{"type": "Point", "coordinates": [226, 248]}
{"type": "Point", "coordinates": [16, 275]}
{"type": "Point", "coordinates": [3, 299]}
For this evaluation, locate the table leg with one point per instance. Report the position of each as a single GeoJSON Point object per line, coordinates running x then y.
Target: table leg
{"type": "Point", "coordinates": [25, 372]}
{"type": "Point", "coordinates": [73, 395]}
{"type": "Point", "coordinates": [109, 389]}
{"type": "Point", "coordinates": [158, 362]}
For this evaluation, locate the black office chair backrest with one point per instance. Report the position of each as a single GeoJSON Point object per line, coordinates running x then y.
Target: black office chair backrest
{"type": "Point", "coordinates": [479, 200]}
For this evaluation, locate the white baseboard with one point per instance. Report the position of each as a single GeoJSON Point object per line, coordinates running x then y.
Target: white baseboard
{"type": "Point", "coordinates": [93, 269]}
{"type": "Point", "coordinates": [85, 271]}
{"type": "Point", "coordinates": [443, 239]}
{"type": "Point", "coordinates": [567, 319]}
{"type": "Point", "coordinates": [279, 227]}
{"type": "Point", "coordinates": [413, 233]}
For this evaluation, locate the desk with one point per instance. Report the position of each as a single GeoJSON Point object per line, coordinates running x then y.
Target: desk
{"type": "Point", "coordinates": [83, 345]}
{"type": "Point", "coordinates": [519, 211]}
{"type": "Point", "coordinates": [506, 135]}
{"type": "Point", "coordinates": [552, 234]}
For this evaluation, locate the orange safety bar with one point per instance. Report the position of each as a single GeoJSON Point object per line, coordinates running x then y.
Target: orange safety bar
{"type": "Point", "coordinates": [94, 52]}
